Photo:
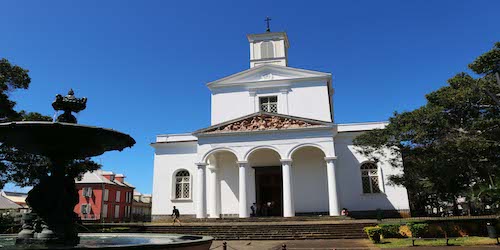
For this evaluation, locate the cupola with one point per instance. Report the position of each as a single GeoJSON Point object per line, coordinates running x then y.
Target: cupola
{"type": "Point", "coordinates": [268, 48]}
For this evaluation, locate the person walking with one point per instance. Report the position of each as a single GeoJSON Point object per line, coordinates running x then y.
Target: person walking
{"type": "Point", "coordinates": [176, 215]}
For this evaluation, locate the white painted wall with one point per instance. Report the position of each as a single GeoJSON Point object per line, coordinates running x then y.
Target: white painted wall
{"type": "Point", "coordinates": [302, 99]}
{"type": "Point", "coordinates": [310, 100]}
{"type": "Point", "coordinates": [231, 104]}
{"type": "Point", "coordinates": [170, 157]}
{"type": "Point", "coordinates": [349, 182]}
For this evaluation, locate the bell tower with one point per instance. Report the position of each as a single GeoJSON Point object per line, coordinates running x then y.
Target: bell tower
{"type": "Point", "coordinates": [268, 47]}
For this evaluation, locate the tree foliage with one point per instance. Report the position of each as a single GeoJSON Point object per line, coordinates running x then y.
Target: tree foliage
{"type": "Point", "coordinates": [12, 77]}
{"type": "Point", "coordinates": [18, 167]}
{"type": "Point", "coordinates": [451, 145]}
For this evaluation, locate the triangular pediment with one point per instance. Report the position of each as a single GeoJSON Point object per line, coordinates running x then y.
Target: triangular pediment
{"type": "Point", "coordinates": [262, 121]}
{"type": "Point", "coordinates": [267, 73]}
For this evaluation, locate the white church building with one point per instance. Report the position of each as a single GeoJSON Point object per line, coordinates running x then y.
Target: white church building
{"type": "Point", "coordinates": [273, 142]}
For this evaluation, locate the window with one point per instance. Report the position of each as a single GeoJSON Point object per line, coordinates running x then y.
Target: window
{"type": "Point", "coordinates": [269, 104]}
{"type": "Point", "coordinates": [369, 178]}
{"type": "Point", "coordinates": [117, 211]}
{"type": "Point", "coordinates": [106, 195]}
{"type": "Point", "coordinates": [117, 196]}
{"type": "Point", "coordinates": [85, 209]}
{"type": "Point", "coordinates": [127, 211]}
{"type": "Point", "coordinates": [182, 185]}
{"type": "Point", "coordinates": [266, 50]}
{"type": "Point", "coordinates": [105, 211]}
{"type": "Point", "coordinates": [87, 192]}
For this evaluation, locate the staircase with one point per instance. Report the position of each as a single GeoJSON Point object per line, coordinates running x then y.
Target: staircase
{"type": "Point", "coordinates": [250, 231]}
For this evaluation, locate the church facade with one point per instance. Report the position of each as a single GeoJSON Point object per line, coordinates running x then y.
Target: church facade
{"type": "Point", "coordinates": [273, 149]}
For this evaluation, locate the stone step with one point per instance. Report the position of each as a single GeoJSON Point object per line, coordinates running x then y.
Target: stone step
{"type": "Point", "coordinates": [249, 232]}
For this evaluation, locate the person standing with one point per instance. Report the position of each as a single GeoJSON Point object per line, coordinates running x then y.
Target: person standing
{"type": "Point", "coordinates": [253, 207]}
{"type": "Point", "coordinates": [176, 215]}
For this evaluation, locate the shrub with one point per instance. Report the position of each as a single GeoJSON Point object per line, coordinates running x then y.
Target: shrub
{"type": "Point", "coordinates": [404, 230]}
{"type": "Point", "coordinates": [373, 233]}
{"type": "Point", "coordinates": [418, 229]}
{"type": "Point", "coordinates": [7, 219]}
{"type": "Point", "coordinates": [390, 230]}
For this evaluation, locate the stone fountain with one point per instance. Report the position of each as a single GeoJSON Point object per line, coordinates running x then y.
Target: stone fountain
{"type": "Point", "coordinates": [52, 222]}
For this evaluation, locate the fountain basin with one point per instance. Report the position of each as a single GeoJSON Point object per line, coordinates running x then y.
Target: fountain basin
{"type": "Point", "coordinates": [123, 241]}
{"type": "Point", "coordinates": [62, 140]}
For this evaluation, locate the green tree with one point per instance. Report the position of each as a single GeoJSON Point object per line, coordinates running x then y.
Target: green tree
{"type": "Point", "coordinates": [16, 166]}
{"type": "Point", "coordinates": [12, 77]}
{"type": "Point", "coordinates": [448, 146]}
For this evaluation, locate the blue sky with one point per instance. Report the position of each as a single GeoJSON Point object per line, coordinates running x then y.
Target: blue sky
{"type": "Point", "coordinates": [144, 64]}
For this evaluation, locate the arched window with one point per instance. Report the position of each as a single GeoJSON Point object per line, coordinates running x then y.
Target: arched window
{"type": "Point", "coordinates": [369, 178]}
{"type": "Point", "coordinates": [182, 185]}
{"type": "Point", "coordinates": [266, 50]}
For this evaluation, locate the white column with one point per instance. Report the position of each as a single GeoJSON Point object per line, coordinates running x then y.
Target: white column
{"type": "Point", "coordinates": [288, 208]}
{"type": "Point", "coordinates": [212, 194]}
{"type": "Point", "coordinates": [201, 194]}
{"type": "Point", "coordinates": [284, 101]}
{"type": "Point", "coordinates": [333, 200]}
{"type": "Point", "coordinates": [253, 103]}
{"type": "Point", "coordinates": [243, 208]}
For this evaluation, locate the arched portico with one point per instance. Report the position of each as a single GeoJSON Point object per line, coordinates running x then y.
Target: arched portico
{"type": "Point", "coordinates": [266, 174]}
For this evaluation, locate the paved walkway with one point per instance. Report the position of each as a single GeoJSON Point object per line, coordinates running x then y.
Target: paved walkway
{"type": "Point", "coordinates": [295, 244]}
{"type": "Point", "coordinates": [487, 247]}
{"type": "Point", "coordinates": [325, 244]}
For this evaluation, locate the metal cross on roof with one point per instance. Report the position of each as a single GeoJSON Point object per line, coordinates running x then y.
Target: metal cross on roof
{"type": "Point", "coordinates": [267, 21]}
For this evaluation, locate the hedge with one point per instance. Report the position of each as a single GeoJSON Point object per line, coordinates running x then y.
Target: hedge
{"type": "Point", "coordinates": [418, 229]}
{"type": "Point", "coordinates": [390, 230]}
{"type": "Point", "coordinates": [373, 233]}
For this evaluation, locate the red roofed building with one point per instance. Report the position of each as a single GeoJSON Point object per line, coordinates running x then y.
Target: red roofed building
{"type": "Point", "coordinates": [104, 197]}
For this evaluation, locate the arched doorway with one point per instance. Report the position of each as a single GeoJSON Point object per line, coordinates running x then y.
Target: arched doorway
{"type": "Point", "coordinates": [268, 182]}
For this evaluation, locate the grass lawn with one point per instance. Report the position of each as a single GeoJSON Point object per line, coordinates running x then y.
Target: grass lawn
{"type": "Point", "coordinates": [463, 241]}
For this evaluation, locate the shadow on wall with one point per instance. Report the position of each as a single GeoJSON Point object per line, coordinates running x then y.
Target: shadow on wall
{"type": "Point", "coordinates": [362, 190]}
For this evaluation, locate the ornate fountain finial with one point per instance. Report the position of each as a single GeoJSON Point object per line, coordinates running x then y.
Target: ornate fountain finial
{"type": "Point", "coordinates": [69, 104]}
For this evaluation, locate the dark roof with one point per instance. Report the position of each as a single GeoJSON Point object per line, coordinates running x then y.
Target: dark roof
{"type": "Point", "coordinates": [8, 204]}
{"type": "Point", "coordinates": [15, 193]}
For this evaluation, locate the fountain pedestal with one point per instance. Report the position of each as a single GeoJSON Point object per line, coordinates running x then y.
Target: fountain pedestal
{"type": "Point", "coordinates": [52, 200]}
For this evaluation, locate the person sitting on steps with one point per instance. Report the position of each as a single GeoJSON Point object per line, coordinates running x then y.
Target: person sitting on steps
{"type": "Point", "coordinates": [345, 212]}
